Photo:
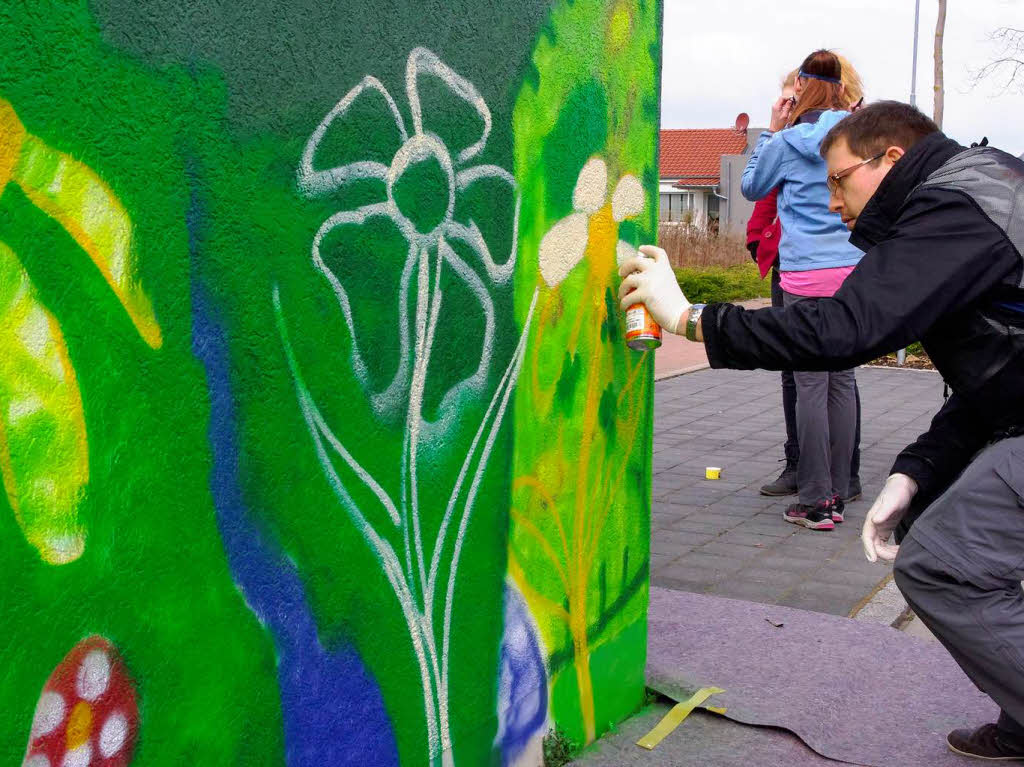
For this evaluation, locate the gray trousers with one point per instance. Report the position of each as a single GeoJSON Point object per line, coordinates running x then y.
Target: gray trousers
{"type": "Point", "coordinates": [960, 568]}
{"type": "Point", "coordinates": [826, 421]}
{"type": "Point", "coordinates": [792, 446]}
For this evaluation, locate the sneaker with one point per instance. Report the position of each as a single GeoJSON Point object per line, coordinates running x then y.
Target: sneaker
{"type": "Point", "coordinates": [986, 742]}
{"type": "Point", "coordinates": [816, 517]}
{"type": "Point", "coordinates": [785, 484]}
{"type": "Point", "coordinates": [854, 493]}
{"type": "Point", "coordinates": [837, 509]}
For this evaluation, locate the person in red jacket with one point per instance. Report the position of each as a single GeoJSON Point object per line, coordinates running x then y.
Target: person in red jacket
{"type": "Point", "coordinates": [763, 233]}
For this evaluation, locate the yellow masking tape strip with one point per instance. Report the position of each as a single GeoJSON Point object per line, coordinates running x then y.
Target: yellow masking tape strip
{"type": "Point", "coordinates": [720, 710]}
{"type": "Point", "coordinates": [674, 718]}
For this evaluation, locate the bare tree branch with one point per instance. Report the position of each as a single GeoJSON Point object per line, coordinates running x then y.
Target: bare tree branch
{"type": "Point", "coordinates": [1007, 68]}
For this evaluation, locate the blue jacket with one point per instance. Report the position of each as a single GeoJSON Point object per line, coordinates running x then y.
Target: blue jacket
{"type": "Point", "coordinates": [812, 237]}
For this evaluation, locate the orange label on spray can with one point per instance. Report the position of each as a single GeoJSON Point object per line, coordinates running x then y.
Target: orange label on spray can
{"type": "Point", "coordinates": [642, 332]}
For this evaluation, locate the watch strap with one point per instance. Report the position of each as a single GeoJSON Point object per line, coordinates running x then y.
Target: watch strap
{"type": "Point", "coordinates": [692, 317]}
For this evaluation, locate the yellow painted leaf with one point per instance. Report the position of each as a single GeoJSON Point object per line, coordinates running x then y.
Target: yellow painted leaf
{"type": "Point", "coordinates": [74, 196]}
{"type": "Point", "coordinates": [12, 135]}
{"type": "Point", "coordinates": [44, 457]}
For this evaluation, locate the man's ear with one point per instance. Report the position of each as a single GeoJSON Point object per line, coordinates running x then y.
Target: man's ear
{"type": "Point", "coordinates": [894, 153]}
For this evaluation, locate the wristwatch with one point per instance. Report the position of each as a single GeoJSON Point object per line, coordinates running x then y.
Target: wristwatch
{"type": "Point", "coordinates": [691, 321]}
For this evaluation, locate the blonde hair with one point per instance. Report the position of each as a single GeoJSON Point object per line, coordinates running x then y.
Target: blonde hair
{"type": "Point", "coordinates": [853, 87]}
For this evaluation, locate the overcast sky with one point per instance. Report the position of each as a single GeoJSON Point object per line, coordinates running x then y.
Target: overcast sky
{"type": "Point", "coordinates": [727, 57]}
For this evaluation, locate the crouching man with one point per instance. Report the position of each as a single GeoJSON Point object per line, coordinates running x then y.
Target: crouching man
{"type": "Point", "coordinates": [942, 228]}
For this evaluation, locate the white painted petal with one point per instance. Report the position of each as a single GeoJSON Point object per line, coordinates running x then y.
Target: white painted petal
{"type": "Point", "coordinates": [499, 270]}
{"type": "Point", "coordinates": [50, 712]}
{"type": "Point", "coordinates": [563, 247]}
{"type": "Point", "coordinates": [425, 62]}
{"type": "Point", "coordinates": [113, 735]}
{"type": "Point", "coordinates": [78, 757]}
{"type": "Point", "coordinates": [37, 760]}
{"type": "Point", "coordinates": [395, 395]}
{"type": "Point", "coordinates": [623, 252]}
{"type": "Point", "coordinates": [628, 198]}
{"type": "Point", "coordinates": [313, 182]}
{"type": "Point", "coordinates": [591, 187]}
{"type": "Point", "coordinates": [93, 675]}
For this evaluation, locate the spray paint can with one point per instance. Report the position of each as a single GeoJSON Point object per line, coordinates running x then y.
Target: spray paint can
{"type": "Point", "coordinates": [642, 332]}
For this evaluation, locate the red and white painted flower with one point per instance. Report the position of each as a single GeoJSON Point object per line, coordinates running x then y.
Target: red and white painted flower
{"type": "Point", "coordinates": [87, 714]}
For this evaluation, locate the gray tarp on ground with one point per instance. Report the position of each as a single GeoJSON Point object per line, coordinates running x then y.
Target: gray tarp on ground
{"type": "Point", "coordinates": [856, 692]}
{"type": "Point", "coordinates": [703, 740]}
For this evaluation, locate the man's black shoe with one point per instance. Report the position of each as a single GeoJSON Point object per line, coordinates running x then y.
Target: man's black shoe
{"type": "Point", "coordinates": [785, 484]}
{"type": "Point", "coordinates": [986, 742]}
{"type": "Point", "coordinates": [854, 493]}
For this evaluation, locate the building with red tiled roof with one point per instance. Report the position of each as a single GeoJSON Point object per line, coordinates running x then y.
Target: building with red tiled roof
{"type": "Point", "coordinates": [692, 162]}
{"type": "Point", "coordinates": [693, 157]}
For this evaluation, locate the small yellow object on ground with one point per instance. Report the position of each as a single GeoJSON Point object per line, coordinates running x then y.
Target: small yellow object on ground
{"type": "Point", "coordinates": [712, 472]}
{"type": "Point", "coordinates": [674, 718]}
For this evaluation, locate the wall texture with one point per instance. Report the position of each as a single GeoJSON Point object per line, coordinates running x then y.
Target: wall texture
{"type": "Point", "coordinates": [319, 440]}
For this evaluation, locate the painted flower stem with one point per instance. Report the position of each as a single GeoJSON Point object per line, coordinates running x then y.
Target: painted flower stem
{"type": "Point", "coordinates": [416, 596]}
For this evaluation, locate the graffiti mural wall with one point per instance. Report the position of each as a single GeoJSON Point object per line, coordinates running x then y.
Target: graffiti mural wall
{"type": "Point", "coordinates": [319, 440]}
{"type": "Point", "coordinates": [580, 497]}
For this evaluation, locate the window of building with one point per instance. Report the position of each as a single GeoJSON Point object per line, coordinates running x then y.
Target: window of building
{"type": "Point", "coordinates": [713, 207]}
{"type": "Point", "coordinates": [676, 206]}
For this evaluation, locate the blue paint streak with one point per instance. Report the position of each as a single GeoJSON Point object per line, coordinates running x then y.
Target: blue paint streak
{"type": "Point", "coordinates": [523, 692]}
{"type": "Point", "coordinates": [333, 710]}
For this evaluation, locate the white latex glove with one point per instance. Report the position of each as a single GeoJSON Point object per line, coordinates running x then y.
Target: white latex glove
{"type": "Point", "coordinates": [651, 281]}
{"type": "Point", "coordinates": [883, 516]}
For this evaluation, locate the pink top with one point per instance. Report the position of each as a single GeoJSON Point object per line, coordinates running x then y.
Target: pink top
{"type": "Point", "coordinates": [817, 283]}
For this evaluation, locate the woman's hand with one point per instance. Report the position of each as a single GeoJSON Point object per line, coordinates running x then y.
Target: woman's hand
{"type": "Point", "coordinates": [781, 110]}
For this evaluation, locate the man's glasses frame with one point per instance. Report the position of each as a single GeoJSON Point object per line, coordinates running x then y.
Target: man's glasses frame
{"type": "Point", "coordinates": [833, 181]}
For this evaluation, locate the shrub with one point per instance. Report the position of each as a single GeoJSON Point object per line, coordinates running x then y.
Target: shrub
{"type": "Point", "coordinates": [715, 283]}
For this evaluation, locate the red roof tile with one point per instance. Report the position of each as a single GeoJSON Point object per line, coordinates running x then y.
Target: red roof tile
{"type": "Point", "coordinates": [693, 155]}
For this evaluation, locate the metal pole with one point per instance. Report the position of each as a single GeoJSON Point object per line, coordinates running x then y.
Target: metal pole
{"type": "Point", "coordinates": [901, 355]}
{"type": "Point", "coordinates": [913, 76]}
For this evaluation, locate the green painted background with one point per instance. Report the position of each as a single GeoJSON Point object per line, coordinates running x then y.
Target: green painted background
{"type": "Point", "coordinates": [196, 115]}
{"type": "Point", "coordinates": [583, 490]}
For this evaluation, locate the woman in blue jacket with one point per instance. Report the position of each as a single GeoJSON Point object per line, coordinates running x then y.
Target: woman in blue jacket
{"type": "Point", "coordinates": [815, 256]}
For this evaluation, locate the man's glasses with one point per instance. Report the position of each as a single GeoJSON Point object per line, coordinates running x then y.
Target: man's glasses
{"type": "Point", "coordinates": [833, 180]}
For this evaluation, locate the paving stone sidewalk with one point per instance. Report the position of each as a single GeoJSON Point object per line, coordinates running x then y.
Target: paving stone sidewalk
{"type": "Point", "coordinates": [722, 537]}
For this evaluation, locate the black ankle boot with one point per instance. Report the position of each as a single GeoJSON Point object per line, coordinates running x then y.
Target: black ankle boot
{"type": "Point", "coordinates": [785, 484]}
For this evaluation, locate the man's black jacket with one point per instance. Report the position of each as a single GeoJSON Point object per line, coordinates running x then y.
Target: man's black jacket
{"type": "Point", "coordinates": [943, 236]}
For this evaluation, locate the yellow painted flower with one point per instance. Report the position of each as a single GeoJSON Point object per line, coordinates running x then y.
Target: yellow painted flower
{"type": "Point", "coordinates": [565, 244]}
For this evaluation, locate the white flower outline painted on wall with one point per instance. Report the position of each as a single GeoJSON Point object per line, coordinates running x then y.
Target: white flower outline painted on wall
{"type": "Point", "coordinates": [415, 578]}
{"type": "Point", "coordinates": [421, 146]}
{"type": "Point", "coordinates": [564, 244]}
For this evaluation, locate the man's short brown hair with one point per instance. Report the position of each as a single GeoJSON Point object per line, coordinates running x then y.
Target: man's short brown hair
{"type": "Point", "coordinates": [875, 128]}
